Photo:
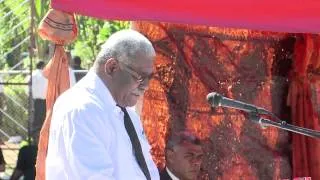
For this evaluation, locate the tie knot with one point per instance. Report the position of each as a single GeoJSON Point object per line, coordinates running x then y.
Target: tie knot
{"type": "Point", "coordinates": [123, 109]}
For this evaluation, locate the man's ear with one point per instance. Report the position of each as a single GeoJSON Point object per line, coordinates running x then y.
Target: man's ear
{"type": "Point", "coordinates": [169, 155]}
{"type": "Point", "coordinates": [111, 66]}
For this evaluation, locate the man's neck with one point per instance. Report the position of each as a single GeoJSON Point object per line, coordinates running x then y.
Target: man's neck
{"type": "Point", "coordinates": [106, 82]}
{"type": "Point", "coordinates": [173, 177]}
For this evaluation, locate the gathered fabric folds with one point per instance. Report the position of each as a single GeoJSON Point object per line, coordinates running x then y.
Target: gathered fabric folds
{"type": "Point", "coordinates": [243, 64]}
{"type": "Point", "coordinates": [60, 28]}
{"type": "Point", "coordinates": [303, 98]}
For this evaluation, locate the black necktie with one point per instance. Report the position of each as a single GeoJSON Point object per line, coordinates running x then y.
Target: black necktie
{"type": "Point", "coordinates": [135, 143]}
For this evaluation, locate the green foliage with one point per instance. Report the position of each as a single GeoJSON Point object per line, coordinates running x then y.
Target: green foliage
{"type": "Point", "coordinates": [92, 34]}
{"type": "Point", "coordinates": [41, 7]}
{"type": "Point", "coordinates": [15, 21]}
{"type": "Point", "coordinates": [15, 103]}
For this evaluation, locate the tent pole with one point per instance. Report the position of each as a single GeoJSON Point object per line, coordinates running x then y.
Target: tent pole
{"type": "Point", "coordinates": [31, 57]}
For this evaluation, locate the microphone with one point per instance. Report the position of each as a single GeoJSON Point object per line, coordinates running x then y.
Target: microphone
{"type": "Point", "coordinates": [216, 99]}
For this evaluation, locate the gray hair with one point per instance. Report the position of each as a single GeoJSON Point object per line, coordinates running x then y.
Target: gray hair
{"type": "Point", "coordinates": [125, 46]}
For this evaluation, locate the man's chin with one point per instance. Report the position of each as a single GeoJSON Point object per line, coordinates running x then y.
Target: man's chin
{"type": "Point", "coordinates": [132, 102]}
{"type": "Point", "coordinates": [193, 174]}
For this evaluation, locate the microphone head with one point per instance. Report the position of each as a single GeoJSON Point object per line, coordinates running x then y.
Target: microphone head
{"type": "Point", "coordinates": [214, 99]}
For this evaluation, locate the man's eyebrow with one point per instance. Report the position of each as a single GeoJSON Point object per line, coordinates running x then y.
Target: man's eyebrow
{"type": "Point", "coordinates": [189, 154]}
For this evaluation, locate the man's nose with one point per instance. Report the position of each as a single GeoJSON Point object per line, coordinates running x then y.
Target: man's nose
{"type": "Point", "coordinates": [197, 162]}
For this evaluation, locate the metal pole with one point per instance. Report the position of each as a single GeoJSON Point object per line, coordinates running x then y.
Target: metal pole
{"type": "Point", "coordinates": [292, 128]}
{"type": "Point", "coordinates": [264, 123]}
{"type": "Point", "coordinates": [31, 56]}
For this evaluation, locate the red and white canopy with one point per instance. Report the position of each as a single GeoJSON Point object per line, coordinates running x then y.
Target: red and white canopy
{"type": "Point", "coordinates": [296, 16]}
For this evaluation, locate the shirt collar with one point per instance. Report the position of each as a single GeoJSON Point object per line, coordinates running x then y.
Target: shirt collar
{"type": "Point", "coordinates": [95, 84]}
{"type": "Point", "coordinates": [173, 177]}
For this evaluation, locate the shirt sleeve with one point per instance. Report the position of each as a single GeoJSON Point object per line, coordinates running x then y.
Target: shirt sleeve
{"type": "Point", "coordinates": [87, 142]}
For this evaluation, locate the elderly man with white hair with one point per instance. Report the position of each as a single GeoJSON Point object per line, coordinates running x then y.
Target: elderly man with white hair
{"type": "Point", "coordinates": [93, 133]}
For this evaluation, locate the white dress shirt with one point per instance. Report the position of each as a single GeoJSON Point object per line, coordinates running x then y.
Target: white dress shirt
{"type": "Point", "coordinates": [173, 177]}
{"type": "Point", "coordinates": [88, 139]}
{"type": "Point", "coordinates": [39, 85]}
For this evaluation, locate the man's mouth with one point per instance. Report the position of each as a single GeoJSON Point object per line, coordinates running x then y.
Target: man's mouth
{"type": "Point", "coordinates": [194, 171]}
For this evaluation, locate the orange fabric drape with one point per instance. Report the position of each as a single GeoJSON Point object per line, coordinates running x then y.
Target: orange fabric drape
{"type": "Point", "coordinates": [305, 150]}
{"type": "Point", "coordinates": [59, 28]}
{"type": "Point", "coordinates": [195, 60]}
{"type": "Point", "coordinates": [58, 81]}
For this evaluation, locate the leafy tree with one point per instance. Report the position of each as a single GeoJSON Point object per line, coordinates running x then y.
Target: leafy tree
{"type": "Point", "coordinates": [15, 29]}
{"type": "Point", "coordinates": [92, 35]}
{"type": "Point", "coordinates": [15, 18]}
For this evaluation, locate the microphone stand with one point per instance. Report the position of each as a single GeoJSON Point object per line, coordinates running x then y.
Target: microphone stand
{"type": "Point", "coordinates": [253, 116]}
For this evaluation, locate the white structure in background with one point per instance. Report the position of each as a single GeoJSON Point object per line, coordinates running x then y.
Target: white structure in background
{"type": "Point", "coordinates": [72, 77]}
{"type": "Point", "coordinates": [15, 139]}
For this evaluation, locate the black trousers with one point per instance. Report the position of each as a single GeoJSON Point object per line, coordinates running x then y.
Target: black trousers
{"type": "Point", "coordinates": [39, 117]}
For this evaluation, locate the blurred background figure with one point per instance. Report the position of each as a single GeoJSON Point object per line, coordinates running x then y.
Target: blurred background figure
{"type": "Point", "coordinates": [76, 65]}
{"type": "Point", "coordinates": [26, 163]}
{"type": "Point", "coordinates": [183, 155]}
{"type": "Point", "coordinates": [39, 90]}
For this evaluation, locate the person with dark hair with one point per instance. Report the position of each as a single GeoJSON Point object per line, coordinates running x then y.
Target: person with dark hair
{"type": "Point", "coordinates": [183, 155]}
{"type": "Point", "coordinates": [76, 62]}
{"type": "Point", "coordinates": [39, 90]}
{"type": "Point", "coordinates": [40, 65]}
{"type": "Point", "coordinates": [76, 65]}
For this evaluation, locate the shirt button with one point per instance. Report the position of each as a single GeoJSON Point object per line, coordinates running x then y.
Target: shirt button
{"type": "Point", "coordinates": [117, 110]}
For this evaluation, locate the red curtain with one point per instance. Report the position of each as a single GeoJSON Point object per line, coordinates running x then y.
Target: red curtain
{"type": "Point", "coordinates": [195, 60]}
{"type": "Point", "coordinates": [270, 15]}
{"type": "Point", "coordinates": [303, 98]}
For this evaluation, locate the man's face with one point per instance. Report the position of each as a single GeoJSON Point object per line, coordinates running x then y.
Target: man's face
{"type": "Point", "coordinates": [184, 160]}
{"type": "Point", "coordinates": [133, 80]}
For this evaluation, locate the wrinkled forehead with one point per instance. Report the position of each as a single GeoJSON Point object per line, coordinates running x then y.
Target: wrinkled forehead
{"type": "Point", "coordinates": [143, 62]}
